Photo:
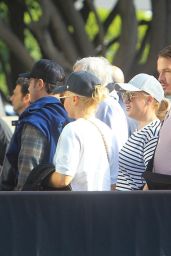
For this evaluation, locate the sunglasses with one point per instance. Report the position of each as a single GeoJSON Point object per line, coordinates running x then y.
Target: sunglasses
{"type": "Point", "coordinates": [129, 96]}
{"type": "Point", "coordinates": [64, 97]}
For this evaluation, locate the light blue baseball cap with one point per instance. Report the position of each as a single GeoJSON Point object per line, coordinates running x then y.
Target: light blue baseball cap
{"type": "Point", "coordinates": [143, 82]}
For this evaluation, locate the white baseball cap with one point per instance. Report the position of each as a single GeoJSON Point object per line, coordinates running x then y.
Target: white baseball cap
{"type": "Point", "coordinates": [143, 82]}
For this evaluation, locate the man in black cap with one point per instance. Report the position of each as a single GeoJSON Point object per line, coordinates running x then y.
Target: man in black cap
{"type": "Point", "coordinates": [39, 126]}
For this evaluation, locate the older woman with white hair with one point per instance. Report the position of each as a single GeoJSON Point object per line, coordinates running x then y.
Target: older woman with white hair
{"type": "Point", "coordinates": [109, 110]}
{"type": "Point", "coordinates": [144, 100]}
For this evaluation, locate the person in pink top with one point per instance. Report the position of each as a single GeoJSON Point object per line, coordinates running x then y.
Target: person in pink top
{"type": "Point", "coordinates": [158, 174]}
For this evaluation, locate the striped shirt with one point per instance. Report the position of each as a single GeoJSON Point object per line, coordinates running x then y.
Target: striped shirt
{"type": "Point", "coordinates": [134, 156]}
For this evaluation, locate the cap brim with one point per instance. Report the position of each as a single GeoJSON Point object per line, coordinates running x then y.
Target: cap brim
{"type": "Point", "coordinates": [126, 87]}
{"type": "Point", "coordinates": [110, 87]}
{"type": "Point", "coordinates": [25, 75]}
{"type": "Point", "coordinates": [60, 89]}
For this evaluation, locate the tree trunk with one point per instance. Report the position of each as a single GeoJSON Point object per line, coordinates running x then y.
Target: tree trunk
{"type": "Point", "coordinates": [128, 38]}
{"type": "Point", "coordinates": [76, 22]}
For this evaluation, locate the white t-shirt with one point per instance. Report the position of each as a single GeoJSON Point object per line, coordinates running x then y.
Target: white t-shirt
{"type": "Point", "coordinates": [81, 154]}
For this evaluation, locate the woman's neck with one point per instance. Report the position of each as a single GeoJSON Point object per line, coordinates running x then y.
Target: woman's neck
{"type": "Point", "coordinates": [87, 116]}
{"type": "Point", "coordinates": [79, 113]}
{"type": "Point", "coordinates": [83, 115]}
{"type": "Point", "coordinates": [147, 120]}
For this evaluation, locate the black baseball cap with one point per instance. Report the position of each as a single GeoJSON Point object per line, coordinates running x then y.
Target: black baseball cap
{"type": "Point", "coordinates": [23, 75]}
{"type": "Point", "coordinates": [82, 83]}
{"type": "Point", "coordinates": [47, 70]}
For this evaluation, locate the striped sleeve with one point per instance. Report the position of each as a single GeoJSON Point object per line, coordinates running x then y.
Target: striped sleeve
{"type": "Point", "coordinates": [134, 156]}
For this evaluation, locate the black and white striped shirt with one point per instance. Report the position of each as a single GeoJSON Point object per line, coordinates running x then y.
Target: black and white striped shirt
{"type": "Point", "coordinates": [134, 156]}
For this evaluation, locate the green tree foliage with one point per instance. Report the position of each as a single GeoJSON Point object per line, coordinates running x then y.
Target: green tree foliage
{"type": "Point", "coordinates": [59, 30]}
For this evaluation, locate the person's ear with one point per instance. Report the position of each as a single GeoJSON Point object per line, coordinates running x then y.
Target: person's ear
{"type": "Point", "coordinates": [149, 99]}
{"type": "Point", "coordinates": [41, 84]}
{"type": "Point", "coordinates": [27, 97]}
{"type": "Point", "coordinates": [75, 99]}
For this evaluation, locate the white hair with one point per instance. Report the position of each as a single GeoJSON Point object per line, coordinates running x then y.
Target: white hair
{"type": "Point", "coordinates": [99, 66]}
{"type": "Point", "coordinates": [118, 75]}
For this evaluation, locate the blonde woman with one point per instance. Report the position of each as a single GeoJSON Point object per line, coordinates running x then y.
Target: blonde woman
{"type": "Point", "coordinates": [86, 154]}
{"type": "Point", "coordinates": [144, 100]}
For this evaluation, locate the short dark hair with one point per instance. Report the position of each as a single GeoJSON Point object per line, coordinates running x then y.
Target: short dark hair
{"type": "Point", "coordinates": [24, 84]}
{"type": "Point", "coordinates": [165, 52]}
